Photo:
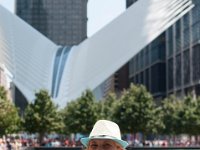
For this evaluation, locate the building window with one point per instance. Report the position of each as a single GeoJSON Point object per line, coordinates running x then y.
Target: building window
{"type": "Point", "coordinates": [186, 21]}
{"type": "Point", "coordinates": [158, 78]}
{"type": "Point", "coordinates": [137, 63]}
{"type": "Point", "coordinates": [141, 78]}
{"type": "Point", "coordinates": [154, 50]}
{"type": "Point", "coordinates": [137, 79]}
{"type": "Point", "coordinates": [196, 32]}
{"type": "Point", "coordinates": [158, 49]}
{"type": "Point", "coordinates": [170, 71]}
{"type": "Point", "coordinates": [134, 65]}
{"type": "Point", "coordinates": [196, 2]}
{"type": "Point", "coordinates": [142, 59]}
{"type": "Point", "coordinates": [170, 42]}
{"type": "Point", "coordinates": [131, 67]}
{"type": "Point", "coordinates": [186, 31]}
{"type": "Point", "coordinates": [146, 56]}
{"type": "Point", "coordinates": [178, 36]}
{"type": "Point", "coordinates": [178, 71]}
{"type": "Point", "coordinates": [146, 79]}
{"type": "Point", "coordinates": [196, 63]}
{"type": "Point", "coordinates": [195, 14]}
{"type": "Point", "coordinates": [186, 66]}
{"type": "Point", "coordinates": [186, 42]}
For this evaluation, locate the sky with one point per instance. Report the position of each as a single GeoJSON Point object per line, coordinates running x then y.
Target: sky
{"type": "Point", "coordinates": [100, 12]}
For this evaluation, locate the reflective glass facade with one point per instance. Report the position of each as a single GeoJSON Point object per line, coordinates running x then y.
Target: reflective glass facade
{"type": "Point", "coordinates": [183, 65]}
{"type": "Point", "coordinates": [148, 67]}
{"type": "Point", "coordinates": [62, 21]}
{"type": "Point", "coordinates": [130, 2]}
{"type": "Point", "coordinates": [171, 63]}
{"type": "Point", "coordinates": [186, 67]}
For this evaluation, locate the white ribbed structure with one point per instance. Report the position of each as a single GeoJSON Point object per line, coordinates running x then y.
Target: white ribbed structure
{"type": "Point", "coordinates": [98, 57]}
{"type": "Point", "coordinates": [26, 53]}
{"type": "Point", "coordinates": [29, 56]}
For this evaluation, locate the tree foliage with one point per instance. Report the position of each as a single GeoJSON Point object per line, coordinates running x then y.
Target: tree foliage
{"type": "Point", "coordinates": [106, 106]}
{"type": "Point", "coordinates": [3, 93]}
{"type": "Point", "coordinates": [172, 109]}
{"type": "Point", "coordinates": [42, 115]}
{"type": "Point", "coordinates": [9, 117]}
{"type": "Point", "coordinates": [191, 116]}
{"type": "Point", "coordinates": [136, 111]}
{"type": "Point", "coordinates": [80, 115]}
{"type": "Point", "coordinates": [197, 114]}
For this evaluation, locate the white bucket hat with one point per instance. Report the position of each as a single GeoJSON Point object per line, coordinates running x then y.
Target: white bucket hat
{"type": "Point", "coordinates": [104, 129]}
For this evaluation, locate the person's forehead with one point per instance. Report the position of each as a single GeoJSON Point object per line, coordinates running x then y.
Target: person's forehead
{"type": "Point", "coordinates": [101, 141]}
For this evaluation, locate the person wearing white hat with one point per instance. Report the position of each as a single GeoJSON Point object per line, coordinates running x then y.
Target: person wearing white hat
{"type": "Point", "coordinates": [105, 135]}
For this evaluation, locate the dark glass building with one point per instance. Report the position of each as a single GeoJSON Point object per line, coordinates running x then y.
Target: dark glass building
{"type": "Point", "coordinates": [183, 54]}
{"type": "Point", "coordinates": [148, 67]}
{"type": "Point", "coordinates": [62, 21]}
{"type": "Point", "coordinates": [130, 2]}
{"type": "Point", "coordinates": [171, 63]}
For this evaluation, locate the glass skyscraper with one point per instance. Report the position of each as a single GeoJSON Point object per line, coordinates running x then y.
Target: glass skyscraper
{"type": "Point", "coordinates": [62, 21]}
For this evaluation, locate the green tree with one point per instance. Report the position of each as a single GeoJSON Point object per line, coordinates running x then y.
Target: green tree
{"type": "Point", "coordinates": [197, 113]}
{"type": "Point", "coordinates": [190, 124]}
{"type": "Point", "coordinates": [105, 106]}
{"type": "Point", "coordinates": [9, 117]}
{"type": "Point", "coordinates": [80, 114]}
{"type": "Point", "coordinates": [196, 116]}
{"type": "Point", "coordinates": [136, 111]}
{"type": "Point", "coordinates": [42, 116]}
{"type": "Point", "coordinates": [191, 116]}
{"type": "Point", "coordinates": [3, 93]}
{"type": "Point", "coordinates": [172, 110]}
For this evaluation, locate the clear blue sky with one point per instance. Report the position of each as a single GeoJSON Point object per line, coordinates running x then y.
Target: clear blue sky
{"type": "Point", "coordinates": [100, 12]}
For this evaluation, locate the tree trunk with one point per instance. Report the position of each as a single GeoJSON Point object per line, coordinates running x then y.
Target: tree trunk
{"type": "Point", "coordinates": [196, 140]}
{"type": "Point", "coordinates": [190, 139]}
{"type": "Point", "coordinates": [41, 136]}
{"type": "Point", "coordinates": [174, 140]}
{"type": "Point", "coordinates": [143, 139]}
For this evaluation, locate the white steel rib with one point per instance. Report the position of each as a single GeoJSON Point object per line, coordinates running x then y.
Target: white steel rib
{"type": "Point", "coordinates": [31, 57]}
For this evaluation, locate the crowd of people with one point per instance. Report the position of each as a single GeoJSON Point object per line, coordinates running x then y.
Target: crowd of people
{"type": "Point", "coordinates": [164, 143]}
{"type": "Point", "coordinates": [8, 144]}
{"type": "Point", "coordinates": [105, 134]}
{"type": "Point", "coordinates": [22, 144]}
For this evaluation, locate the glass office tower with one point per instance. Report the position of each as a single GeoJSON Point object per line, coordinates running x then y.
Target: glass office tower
{"type": "Point", "coordinates": [62, 21]}
{"type": "Point", "coordinates": [183, 54]}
